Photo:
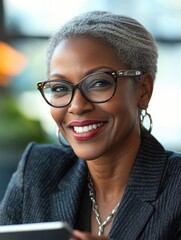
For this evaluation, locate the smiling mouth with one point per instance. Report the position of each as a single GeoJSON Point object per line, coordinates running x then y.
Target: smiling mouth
{"type": "Point", "coordinates": [88, 128]}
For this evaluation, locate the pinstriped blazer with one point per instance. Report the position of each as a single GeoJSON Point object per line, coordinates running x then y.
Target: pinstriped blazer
{"type": "Point", "coordinates": [49, 181]}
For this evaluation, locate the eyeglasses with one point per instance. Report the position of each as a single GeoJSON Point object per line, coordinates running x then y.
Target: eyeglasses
{"type": "Point", "coordinates": [98, 87]}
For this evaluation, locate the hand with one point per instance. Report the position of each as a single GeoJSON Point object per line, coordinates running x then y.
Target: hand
{"type": "Point", "coordinates": [78, 235]}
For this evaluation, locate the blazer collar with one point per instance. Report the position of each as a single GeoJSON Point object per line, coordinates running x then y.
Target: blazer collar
{"type": "Point", "coordinates": [136, 207]}
{"type": "Point", "coordinates": [148, 169]}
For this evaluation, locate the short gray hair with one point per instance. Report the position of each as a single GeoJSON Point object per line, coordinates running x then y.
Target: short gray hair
{"type": "Point", "coordinates": [133, 44]}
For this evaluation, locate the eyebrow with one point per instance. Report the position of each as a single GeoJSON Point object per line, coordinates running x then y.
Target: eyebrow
{"type": "Point", "coordinates": [97, 69]}
{"type": "Point", "coordinates": [57, 75]}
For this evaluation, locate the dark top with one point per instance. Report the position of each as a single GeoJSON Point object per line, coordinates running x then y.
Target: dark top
{"type": "Point", "coordinates": [50, 182]}
{"type": "Point", "coordinates": [83, 220]}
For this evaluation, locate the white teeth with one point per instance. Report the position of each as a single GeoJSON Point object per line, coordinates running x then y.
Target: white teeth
{"type": "Point", "coordinates": [94, 126]}
{"type": "Point", "coordinates": [87, 128]}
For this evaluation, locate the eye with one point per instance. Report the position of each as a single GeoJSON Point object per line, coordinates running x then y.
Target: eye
{"type": "Point", "coordinates": [100, 84]}
{"type": "Point", "coordinates": [60, 88]}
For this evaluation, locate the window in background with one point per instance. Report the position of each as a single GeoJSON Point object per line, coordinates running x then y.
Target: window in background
{"type": "Point", "coordinates": [40, 18]}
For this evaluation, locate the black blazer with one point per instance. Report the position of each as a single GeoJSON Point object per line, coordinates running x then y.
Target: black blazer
{"type": "Point", "coordinates": [49, 181]}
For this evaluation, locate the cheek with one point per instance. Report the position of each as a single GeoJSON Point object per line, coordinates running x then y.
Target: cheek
{"type": "Point", "coordinates": [58, 115]}
{"type": "Point", "coordinates": [124, 106]}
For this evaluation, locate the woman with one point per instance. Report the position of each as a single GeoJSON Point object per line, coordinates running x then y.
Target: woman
{"type": "Point", "coordinates": [116, 180]}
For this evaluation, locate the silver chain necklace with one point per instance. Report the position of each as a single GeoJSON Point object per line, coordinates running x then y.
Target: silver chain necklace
{"type": "Point", "coordinates": [96, 210]}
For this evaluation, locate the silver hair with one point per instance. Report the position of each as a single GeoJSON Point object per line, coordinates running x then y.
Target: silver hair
{"type": "Point", "coordinates": [133, 44]}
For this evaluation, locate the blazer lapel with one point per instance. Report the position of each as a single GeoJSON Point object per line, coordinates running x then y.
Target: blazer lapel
{"type": "Point", "coordinates": [137, 203]}
{"type": "Point", "coordinates": [65, 201]}
{"type": "Point", "coordinates": [131, 218]}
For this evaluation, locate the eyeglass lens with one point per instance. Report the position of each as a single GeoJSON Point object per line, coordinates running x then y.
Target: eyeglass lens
{"type": "Point", "coordinates": [95, 88]}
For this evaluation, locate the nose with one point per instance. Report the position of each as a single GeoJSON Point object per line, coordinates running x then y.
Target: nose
{"type": "Point", "coordinates": [79, 104]}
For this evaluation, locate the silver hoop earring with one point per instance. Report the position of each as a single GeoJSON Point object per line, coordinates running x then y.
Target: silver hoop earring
{"type": "Point", "coordinates": [146, 120]}
{"type": "Point", "coordinates": [62, 140]}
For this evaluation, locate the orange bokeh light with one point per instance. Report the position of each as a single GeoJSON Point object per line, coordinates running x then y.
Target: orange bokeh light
{"type": "Point", "coordinates": [12, 63]}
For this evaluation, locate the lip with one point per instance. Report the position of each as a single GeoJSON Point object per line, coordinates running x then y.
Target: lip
{"type": "Point", "coordinates": [84, 123]}
{"type": "Point", "coordinates": [83, 136]}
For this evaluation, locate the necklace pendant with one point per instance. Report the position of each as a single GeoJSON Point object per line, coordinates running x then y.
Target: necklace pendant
{"type": "Point", "coordinates": [101, 230]}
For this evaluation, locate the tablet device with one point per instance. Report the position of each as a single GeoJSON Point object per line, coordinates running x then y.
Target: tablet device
{"type": "Point", "coordinates": [36, 231]}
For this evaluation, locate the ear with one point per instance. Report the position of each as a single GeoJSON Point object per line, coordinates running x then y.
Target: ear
{"type": "Point", "coordinates": [145, 90]}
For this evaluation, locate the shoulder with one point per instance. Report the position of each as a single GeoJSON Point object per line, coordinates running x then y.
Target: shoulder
{"type": "Point", "coordinates": [174, 156]}
{"type": "Point", "coordinates": [164, 165]}
{"type": "Point", "coordinates": [46, 161]}
{"type": "Point", "coordinates": [47, 154]}
{"type": "Point", "coordinates": [39, 172]}
{"type": "Point", "coordinates": [46, 150]}
{"type": "Point", "coordinates": [173, 161]}
{"type": "Point", "coordinates": [172, 173]}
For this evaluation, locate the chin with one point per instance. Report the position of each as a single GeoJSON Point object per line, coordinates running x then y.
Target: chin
{"type": "Point", "coordinates": [86, 155]}
{"type": "Point", "coordinates": [91, 150]}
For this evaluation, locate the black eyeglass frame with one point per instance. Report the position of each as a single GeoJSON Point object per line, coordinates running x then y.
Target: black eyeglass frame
{"type": "Point", "coordinates": [114, 74]}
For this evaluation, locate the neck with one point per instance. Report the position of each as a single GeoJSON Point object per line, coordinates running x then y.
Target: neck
{"type": "Point", "coordinates": [110, 173]}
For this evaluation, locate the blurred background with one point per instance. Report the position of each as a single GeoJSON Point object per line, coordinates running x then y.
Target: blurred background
{"type": "Point", "coordinates": [24, 29]}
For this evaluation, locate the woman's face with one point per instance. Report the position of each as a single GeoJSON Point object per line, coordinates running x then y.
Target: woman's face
{"type": "Point", "coordinates": [103, 128]}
